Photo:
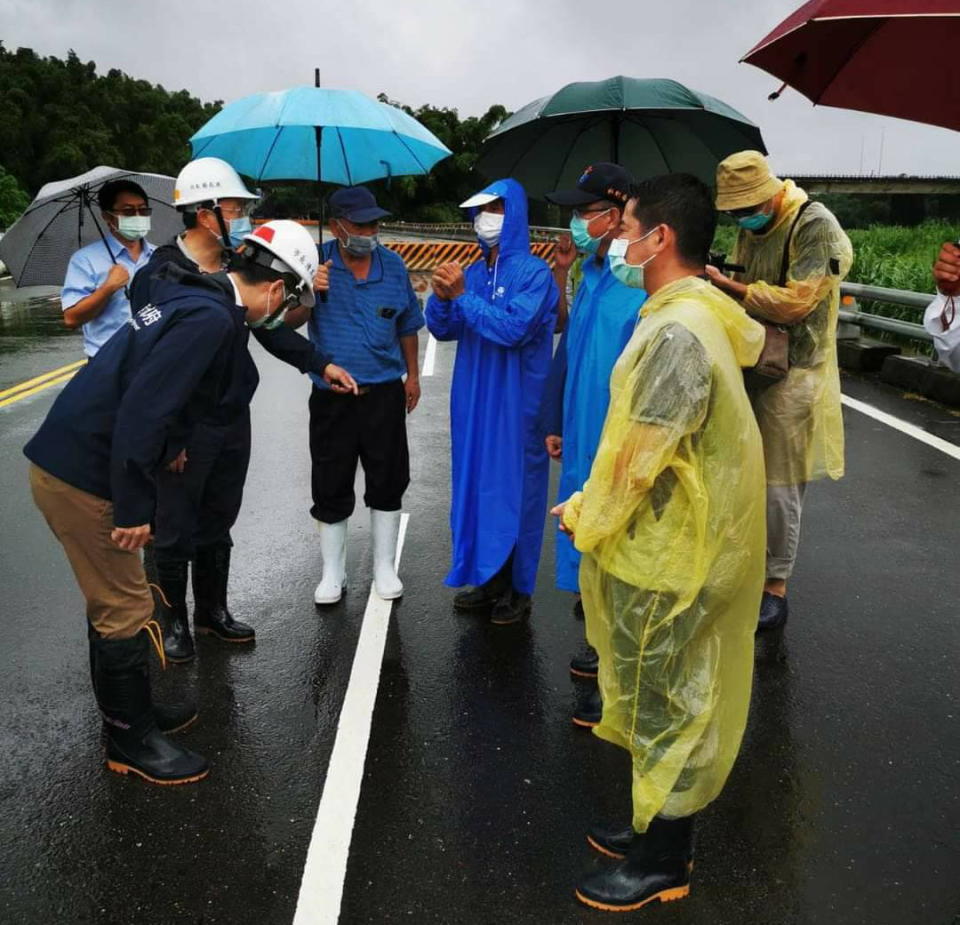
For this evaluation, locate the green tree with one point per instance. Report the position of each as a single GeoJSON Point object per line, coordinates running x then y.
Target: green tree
{"type": "Point", "coordinates": [13, 199]}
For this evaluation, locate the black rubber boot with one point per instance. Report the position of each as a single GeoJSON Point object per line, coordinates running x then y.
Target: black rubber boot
{"type": "Point", "coordinates": [589, 709]}
{"type": "Point", "coordinates": [211, 573]}
{"type": "Point", "coordinates": [611, 842]}
{"type": "Point", "coordinates": [656, 869]}
{"type": "Point", "coordinates": [172, 600]}
{"type": "Point", "coordinates": [174, 717]}
{"type": "Point", "coordinates": [586, 664]}
{"type": "Point", "coordinates": [484, 596]}
{"type": "Point", "coordinates": [134, 743]}
{"type": "Point", "coordinates": [615, 841]}
{"type": "Point", "coordinates": [511, 608]}
{"type": "Point", "coordinates": [773, 612]}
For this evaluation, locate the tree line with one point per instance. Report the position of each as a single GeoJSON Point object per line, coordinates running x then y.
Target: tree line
{"type": "Point", "coordinates": [59, 118]}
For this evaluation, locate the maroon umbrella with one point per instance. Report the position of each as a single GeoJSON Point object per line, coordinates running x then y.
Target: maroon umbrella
{"type": "Point", "coordinates": [892, 57]}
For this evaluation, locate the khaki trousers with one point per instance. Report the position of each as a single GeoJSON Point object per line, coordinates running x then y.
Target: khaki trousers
{"type": "Point", "coordinates": [784, 510]}
{"type": "Point", "coordinates": [119, 602]}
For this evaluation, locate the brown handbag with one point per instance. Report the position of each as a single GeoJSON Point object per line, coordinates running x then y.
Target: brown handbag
{"type": "Point", "coordinates": [774, 362]}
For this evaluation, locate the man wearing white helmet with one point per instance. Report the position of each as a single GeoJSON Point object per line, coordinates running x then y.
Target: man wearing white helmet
{"type": "Point", "coordinates": [113, 429]}
{"type": "Point", "coordinates": [199, 497]}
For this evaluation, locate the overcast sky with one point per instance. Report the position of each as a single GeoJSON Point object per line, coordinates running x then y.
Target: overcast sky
{"type": "Point", "coordinates": [469, 54]}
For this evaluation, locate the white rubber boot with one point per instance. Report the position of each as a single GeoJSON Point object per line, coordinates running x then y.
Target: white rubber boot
{"type": "Point", "coordinates": [333, 552]}
{"type": "Point", "coordinates": [385, 526]}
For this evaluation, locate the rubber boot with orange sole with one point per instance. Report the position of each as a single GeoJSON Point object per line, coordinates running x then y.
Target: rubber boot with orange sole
{"type": "Point", "coordinates": [134, 743]}
{"type": "Point", "coordinates": [656, 869]}
{"type": "Point", "coordinates": [615, 841]}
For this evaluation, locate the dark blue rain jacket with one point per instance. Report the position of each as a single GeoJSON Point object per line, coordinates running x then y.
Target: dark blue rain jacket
{"type": "Point", "coordinates": [504, 326]}
{"type": "Point", "coordinates": [132, 407]}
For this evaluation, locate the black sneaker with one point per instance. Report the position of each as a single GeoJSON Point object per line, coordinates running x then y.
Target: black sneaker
{"type": "Point", "coordinates": [511, 608]}
{"type": "Point", "coordinates": [773, 612]}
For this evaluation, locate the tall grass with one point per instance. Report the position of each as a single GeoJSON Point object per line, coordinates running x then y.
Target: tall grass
{"type": "Point", "coordinates": [889, 256]}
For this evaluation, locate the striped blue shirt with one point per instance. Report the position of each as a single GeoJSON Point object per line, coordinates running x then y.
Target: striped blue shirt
{"type": "Point", "coordinates": [360, 325]}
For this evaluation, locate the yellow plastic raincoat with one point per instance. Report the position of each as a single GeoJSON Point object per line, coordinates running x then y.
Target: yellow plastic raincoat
{"type": "Point", "coordinates": [800, 417]}
{"type": "Point", "coordinates": [671, 524]}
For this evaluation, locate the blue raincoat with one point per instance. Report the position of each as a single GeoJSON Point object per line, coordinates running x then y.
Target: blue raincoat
{"type": "Point", "coordinates": [602, 320]}
{"type": "Point", "coordinates": [504, 323]}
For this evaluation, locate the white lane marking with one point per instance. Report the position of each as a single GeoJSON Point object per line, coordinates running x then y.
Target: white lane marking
{"type": "Point", "coordinates": [430, 356]}
{"type": "Point", "coordinates": [321, 889]}
{"type": "Point", "coordinates": [911, 430]}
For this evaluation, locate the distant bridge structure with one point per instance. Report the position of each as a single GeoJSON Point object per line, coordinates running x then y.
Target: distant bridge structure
{"type": "Point", "coordinates": [900, 185]}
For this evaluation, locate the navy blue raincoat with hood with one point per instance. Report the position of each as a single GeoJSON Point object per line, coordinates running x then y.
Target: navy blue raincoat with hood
{"type": "Point", "coordinates": [504, 325]}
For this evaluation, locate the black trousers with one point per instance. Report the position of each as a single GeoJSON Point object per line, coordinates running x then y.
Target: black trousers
{"type": "Point", "coordinates": [199, 506]}
{"type": "Point", "coordinates": [371, 428]}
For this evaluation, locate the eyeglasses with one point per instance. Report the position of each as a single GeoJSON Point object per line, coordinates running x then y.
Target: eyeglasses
{"type": "Point", "coordinates": [585, 213]}
{"type": "Point", "coordinates": [244, 209]}
{"type": "Point", "coordinates": [130, 211]}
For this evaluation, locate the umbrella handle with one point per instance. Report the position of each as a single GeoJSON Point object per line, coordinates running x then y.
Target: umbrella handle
{"type": "Point", "coordinates": [86, 202]}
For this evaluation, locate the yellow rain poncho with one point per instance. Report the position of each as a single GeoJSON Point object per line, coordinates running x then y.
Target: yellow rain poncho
{"type": "Point", "coordinates": [800, 416]}
{"type": "Point", "coordinates": [671, 525]}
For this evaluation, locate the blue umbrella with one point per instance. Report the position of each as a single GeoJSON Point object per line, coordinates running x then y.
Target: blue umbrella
{"type": "Point", "coordinates": [309, 133]}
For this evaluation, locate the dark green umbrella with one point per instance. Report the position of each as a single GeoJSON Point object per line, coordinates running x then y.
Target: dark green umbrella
{"type": "Point", "coordinates": [650, 126]}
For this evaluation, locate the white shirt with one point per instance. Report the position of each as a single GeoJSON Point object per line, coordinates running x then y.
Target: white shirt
{"type": "Point", "coordinates": [946, 341]}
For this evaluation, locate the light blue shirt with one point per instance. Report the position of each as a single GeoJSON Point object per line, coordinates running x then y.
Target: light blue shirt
{"type": "Point", "coordinates": [86, 273]}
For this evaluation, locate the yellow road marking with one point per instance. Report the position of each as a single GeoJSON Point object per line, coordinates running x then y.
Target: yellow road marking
{"type": "Point", "coordinates": [38, 388]}
{"type": "Point", "coordinates": [54, 373]}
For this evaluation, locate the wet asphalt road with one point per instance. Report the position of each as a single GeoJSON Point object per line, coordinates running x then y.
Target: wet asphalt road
{"type": "Point", "coordinates": [478, 790]}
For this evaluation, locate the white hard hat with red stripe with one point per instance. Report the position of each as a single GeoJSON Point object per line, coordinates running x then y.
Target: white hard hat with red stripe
{"type": "Point", "coordinates": [293, 249]}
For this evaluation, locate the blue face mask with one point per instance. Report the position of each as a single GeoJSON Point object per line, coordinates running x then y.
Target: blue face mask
{"type": "Point", "coordinates": [756, 222]}
{"type": "Point", "coordinates": [630, 274]}
{"type": "Point", "coordinates": [238, 228]}
{"type": "Point", "coordinates": [582, 239]}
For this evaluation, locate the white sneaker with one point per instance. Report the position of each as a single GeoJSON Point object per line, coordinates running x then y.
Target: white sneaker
{"type": "Point", "coordinates": [385, 527]}
{"type": "Point", "coordinates": [333, 552]}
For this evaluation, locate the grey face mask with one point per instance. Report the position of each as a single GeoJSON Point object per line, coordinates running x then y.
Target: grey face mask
{"type": "Point", "coordinates": [359, 245]}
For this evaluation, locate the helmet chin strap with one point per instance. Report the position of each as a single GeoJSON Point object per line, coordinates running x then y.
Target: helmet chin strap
{"type": "Point", "coordinates": [224, 231]}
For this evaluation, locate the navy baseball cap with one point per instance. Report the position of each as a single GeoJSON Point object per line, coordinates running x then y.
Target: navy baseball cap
{"type": "Point", "coordinates": [598, 181]}
{"type": "Point", "coordinates": [355, 204]}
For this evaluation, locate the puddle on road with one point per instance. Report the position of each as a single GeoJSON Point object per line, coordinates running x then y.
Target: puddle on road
{"type": "Point", "coordinates": [33, 338]}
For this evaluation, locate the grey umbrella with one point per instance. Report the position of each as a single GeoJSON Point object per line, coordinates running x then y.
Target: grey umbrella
{"type": "Point", "coordinates": [65, 216]}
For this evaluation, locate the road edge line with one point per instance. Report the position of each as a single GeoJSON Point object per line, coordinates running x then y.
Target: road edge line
{"type": "Point", "coordinates": [430, 356]}
{"type": "Point", "coordinates": [325, 868]}
{"type": "Point", "coordinates": [905, 427]}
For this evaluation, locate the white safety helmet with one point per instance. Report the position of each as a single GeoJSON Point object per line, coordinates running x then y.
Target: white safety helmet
{"type": "Point", "coordinates": [293, 250]}
{"type": "Point", "coordinates": [208, 179]}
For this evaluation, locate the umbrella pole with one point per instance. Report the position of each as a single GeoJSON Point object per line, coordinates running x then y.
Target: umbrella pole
{"type": "Point", "coordinates": [318, 129]}
{"type": "Point", "coordinates": [85, 201]}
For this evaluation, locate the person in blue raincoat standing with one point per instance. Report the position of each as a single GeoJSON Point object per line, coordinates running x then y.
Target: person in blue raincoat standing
{"type": "Point", "coordinates": [502, 312]}
{"type": "Point", "coordinates": [601, 321]}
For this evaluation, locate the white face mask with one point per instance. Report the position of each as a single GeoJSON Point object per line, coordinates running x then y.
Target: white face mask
{"type": "Point", "coordinates": [133, 227]}
{"type": "Point", "coordinates": [488, 226]}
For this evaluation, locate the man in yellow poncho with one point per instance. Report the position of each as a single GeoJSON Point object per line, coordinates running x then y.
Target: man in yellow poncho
{"type": "Point", "coordinates": [796, 255]}
{"type": "Point", "coordinates": [671, 527]}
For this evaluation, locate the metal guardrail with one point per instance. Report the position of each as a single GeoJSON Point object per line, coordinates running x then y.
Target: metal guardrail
{"type": "Point", "coordinates": [906, 298]}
